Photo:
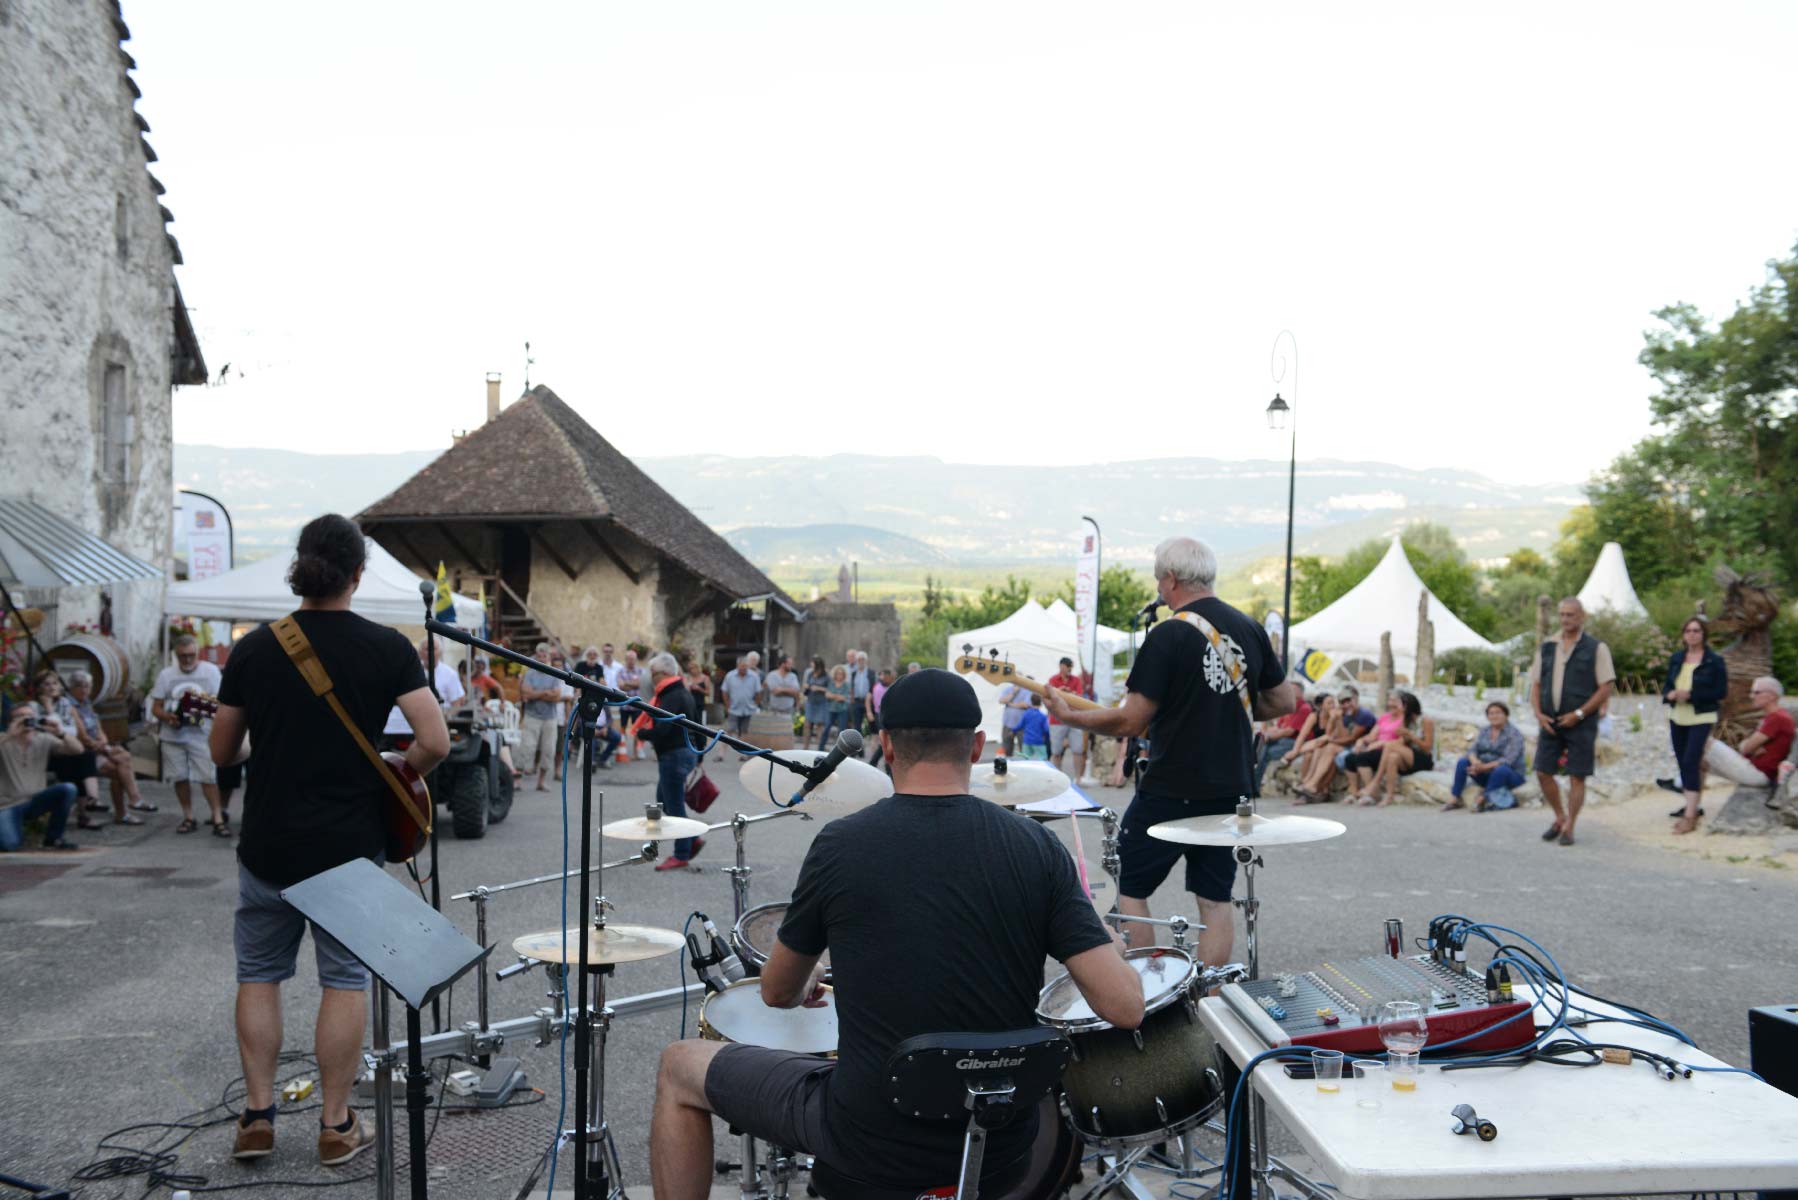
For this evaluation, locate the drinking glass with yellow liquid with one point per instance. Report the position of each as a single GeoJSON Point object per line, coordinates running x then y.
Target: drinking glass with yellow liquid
{"type": "Point", "coordinates": [1326, 1069]}
{"type": "Point", "coordinates": [1403, 1067]}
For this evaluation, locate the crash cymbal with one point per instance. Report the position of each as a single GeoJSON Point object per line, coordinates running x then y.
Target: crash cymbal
{"type": "Point", "coordinates": [1253, 830]}
{"type": "Point", "coordinates": [1022, 782]}
{"type": "Point", "coordinates": [642, 829]}
{"type": "Point", "coordinates": [854, 781]}
{"type": "Point", "coordinates": [613, 944]}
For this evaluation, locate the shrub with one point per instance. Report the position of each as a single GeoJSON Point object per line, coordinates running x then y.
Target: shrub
{"type": "Point", "coordinates": [1468, 664]}
{"type": "Point", "coordinates": [1639, 648]}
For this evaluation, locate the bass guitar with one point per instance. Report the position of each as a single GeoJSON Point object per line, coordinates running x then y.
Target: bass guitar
{"type": "Point", "coordinates": [997, 671]}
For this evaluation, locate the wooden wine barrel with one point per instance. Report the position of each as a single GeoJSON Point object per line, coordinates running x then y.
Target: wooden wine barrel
{"type": "Point", "coordinates": [100, 657]}
{"type": "Point", "coordinates": [771, 730]}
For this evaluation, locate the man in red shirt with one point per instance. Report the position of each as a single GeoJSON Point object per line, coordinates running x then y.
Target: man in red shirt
{"type": "Point", "coordinates": [1768, 745]}
{"type": "Point", "coordinates": [1065, 737]}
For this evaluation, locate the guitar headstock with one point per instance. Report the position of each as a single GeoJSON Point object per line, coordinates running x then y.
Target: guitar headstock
{"type": "Point", "coordinates": [994, 670]}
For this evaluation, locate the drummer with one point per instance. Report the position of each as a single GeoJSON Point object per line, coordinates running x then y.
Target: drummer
{"type": "Point", "coordinates": [1186, 693]}
{"type": "Point", "coordinates": [938, 910]}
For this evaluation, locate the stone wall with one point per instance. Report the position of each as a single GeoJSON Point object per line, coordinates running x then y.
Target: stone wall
{"type": "Point", "coordinates": [831, 628]}
{"type": "Point", "coordinates": [601, 603]}
{"type": "Point", "coordinates": [73, 187]}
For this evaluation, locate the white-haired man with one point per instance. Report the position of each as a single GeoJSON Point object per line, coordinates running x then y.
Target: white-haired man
{"type": "Point", "coordinates": [1772, 741]}
{"type": "Point", "coordinates": [183, 732]}
{"type": "Point", "coordinates": [1200, 682]}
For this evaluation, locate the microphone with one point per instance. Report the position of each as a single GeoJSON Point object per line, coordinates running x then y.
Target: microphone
{"type": "Point", "coordinates": [848, 742]}
{"type": "Point", "coordinates": [723, 954]}
{"type": "Point", "coordinates": [1148, 610]}
{"type": "Point", "coordinates": [427, 589]}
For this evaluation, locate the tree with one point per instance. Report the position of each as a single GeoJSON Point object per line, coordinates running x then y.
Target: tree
{"type": "Point", "coordinates": [1122, 593]}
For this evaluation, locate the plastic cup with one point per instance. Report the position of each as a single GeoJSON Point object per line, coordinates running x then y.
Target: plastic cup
{"type": "Point", "coordinates": [1369, 1075]}
{"type": "Point", "coordinates": [1326, 1069]}
{"type": "Point", "coordinates": [1403, 1068]}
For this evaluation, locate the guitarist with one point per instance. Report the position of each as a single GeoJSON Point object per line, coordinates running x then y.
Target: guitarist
{"type": "Point", "coordinates": [314, 802]}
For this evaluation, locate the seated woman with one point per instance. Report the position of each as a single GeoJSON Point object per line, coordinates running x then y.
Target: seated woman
{"type": "Point", "coordinates": [1311, 734]}
{"type": "Point", "coordinates": [1494, 764]}
{"type": "Point", "coordinates": [1321, 756]}
{"type": "Point", "coordinates": [82, 770]}
{"type": "Point", "coordinates": [1401, 743]}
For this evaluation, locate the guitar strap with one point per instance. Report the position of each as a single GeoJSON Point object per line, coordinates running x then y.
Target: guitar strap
{"type": "Point", "coordinates": [299, 648]}
{"type": "Point", "coordinates": [1228, 655]}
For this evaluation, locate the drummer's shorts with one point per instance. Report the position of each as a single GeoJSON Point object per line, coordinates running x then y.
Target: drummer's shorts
{"type": "Point", "coordinates": [1146, 861]}
{"type": "Point", "coordinates": [776, 1095]}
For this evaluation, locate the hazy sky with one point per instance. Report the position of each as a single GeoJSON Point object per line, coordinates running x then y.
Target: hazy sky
{"type": "Point", "coordinates": [1021, 231]}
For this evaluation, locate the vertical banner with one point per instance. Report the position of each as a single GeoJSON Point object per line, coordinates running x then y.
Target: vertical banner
{"type": "Point", "coordinates": [203, 530]}
{"type": "Point", "coordinates": [1086, 601]}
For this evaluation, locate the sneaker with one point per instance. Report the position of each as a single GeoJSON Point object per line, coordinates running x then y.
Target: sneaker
{"type": "Point", "coordinates": [672, 864]}
{"type": "Point", "coordinates": [1669, 785]}
{"type": "Point", "coordinates": [335, 1149]}
{"type": "Point", "coordinates": [255, 1140]}
{"type": "Point", "coordinates": [1553, 832]}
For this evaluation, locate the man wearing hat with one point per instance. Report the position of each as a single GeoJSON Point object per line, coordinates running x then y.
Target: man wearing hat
{"type": "Point", "coordinates": [938, 910]}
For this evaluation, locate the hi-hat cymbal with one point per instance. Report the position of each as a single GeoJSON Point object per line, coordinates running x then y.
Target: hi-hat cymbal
{"type": "Point", "coordinates": [1022, 783]}
{"type": "Point", "coordinates": [853, 780]}
{"type": "Point", "coordinates": [612, 944]}
{"type": "Point", "coordinates": [642, 829]}
{"type": "Point", "coordinates": [1254, 830]}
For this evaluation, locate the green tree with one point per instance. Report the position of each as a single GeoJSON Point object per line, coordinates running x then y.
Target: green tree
{"type": "Point", "coordinates": [1122, 593]}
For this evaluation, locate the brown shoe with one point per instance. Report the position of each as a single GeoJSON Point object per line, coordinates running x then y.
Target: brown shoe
{"type": "Point", "coordinates": [255, 1140]}
{"type": "Point", "coordinates": [335, 1148]}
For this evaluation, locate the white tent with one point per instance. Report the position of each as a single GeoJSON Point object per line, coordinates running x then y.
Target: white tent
{"type": "Point", "coordinates": [1385, 601]}
{"type": "Point", "coordinates": [1608, 586]}
{"type": "Point", "coordinates": [259, 592]}
{"type": "Point", "coordinates": [1034, 639]}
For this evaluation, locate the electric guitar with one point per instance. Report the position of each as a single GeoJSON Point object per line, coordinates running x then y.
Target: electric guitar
{"type": "Point", "coordinates": [999, 671]}
{"type": "Point", "coordinates": [191, 708]}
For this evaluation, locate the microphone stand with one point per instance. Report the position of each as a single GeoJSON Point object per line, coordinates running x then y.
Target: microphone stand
{"type": "Point", "coordinates": [428, 593]}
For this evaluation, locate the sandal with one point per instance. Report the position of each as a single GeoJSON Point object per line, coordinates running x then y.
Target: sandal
{"type": "Point", "coordinates": [127, 819]}
{"type": "Point", "coordinates": [1452, 805]}
{"type": "Point", "coordinates": [94, 806]}
{"type": "Point", "coordinates": [221, 829]}
{"type": "Point", "coordinates": [1685, 825]}
{"type": "Point", "coordinates": [188, 825]}
{"type": "Point", "coordinates": [86, 822]}
{"type": "Point", "coordinates": [144, 806]}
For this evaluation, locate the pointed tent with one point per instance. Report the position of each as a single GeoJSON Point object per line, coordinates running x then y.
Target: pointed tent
{"type": "Point", "coordinates": [1034, 638]}
{"type": "Point", "coordinates": [259, 592]}
{"type": "Point", "coordinates": [1608, 586]}
{"type": "Point", "coordinates": [1385, 601]}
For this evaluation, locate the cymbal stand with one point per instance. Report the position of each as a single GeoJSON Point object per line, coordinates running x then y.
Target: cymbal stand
{"type": "Point", "coordinates": [741, 871]}
{"type": "Point", "coordinates": [600, 1163]}
{"type": "Point", "coordinates": [1176, 925]}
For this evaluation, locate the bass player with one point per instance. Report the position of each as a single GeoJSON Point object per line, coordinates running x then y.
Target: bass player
{"type": "Point", "coordinates": [315, 801]}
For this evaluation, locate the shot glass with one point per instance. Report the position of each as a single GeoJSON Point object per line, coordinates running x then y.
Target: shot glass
{"type": "Point", "coordinates": [1326, 1068]}
{"type": "Point", "coordinates": [1369, 1075]}
{"type": "Point", "coordinates": [1403, 1068]}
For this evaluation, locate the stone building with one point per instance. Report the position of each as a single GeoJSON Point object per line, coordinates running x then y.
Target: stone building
{"type": "Point", "coordinates": [93, 332]}
{"type": "Point", "coordinates": [563, 535]}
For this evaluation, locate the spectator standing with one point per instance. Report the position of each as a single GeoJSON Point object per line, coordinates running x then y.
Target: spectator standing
{"type": "Point", "coordinates": [631, 680]}
{"type": "Point", "coordinates": [1281, 736]}
{"type": "Point", "coordinates": [740, 689]}
{"type": "Point", "coordinates": [185, 758]}
{"type": "Point", "coordinates": [698, 682]}
{"type": "Point", "coordinates": [31, 738]}
{"type": "Point", "coordinates": [861, 683]}
{"type": "Point", "coordinates": [1016, 702]}
{"type": "Point", "coordinates": [817, 698]}
{"type": "Point", "coordinates": [836, 713]}
{"type": "Point", "coordinates": [676, 755]}
{"type": "Point", "coordinates": [1033, 731]}
{"type": "Point", "coordinates": [1697, 680]}
{"type": "Point", "coordinates": [542, 697]}
{"type": "Point", "coordinates": [1574, 680]}
{"type": "Point", "coordinates": [784, 692]}
{"type": "Point", "coordinates": [609, 666]}
{"type": "Point", "coordinates": [875, 695]}
{"type": "Point", "coordinates": [1495, 763]}
{"type": "Point", "coordinates": [1063, 738]}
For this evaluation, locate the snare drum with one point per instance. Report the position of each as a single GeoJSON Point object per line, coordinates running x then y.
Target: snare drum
{"type": "Point", "coordinates": [737, 1014]}
{"type": "Point", "coordinates": [1128, 1086]}
{"type": "Point", "coordinates": [756, 932]}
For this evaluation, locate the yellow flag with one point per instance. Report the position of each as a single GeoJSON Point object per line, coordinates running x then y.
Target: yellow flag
{"type": "Point", "coordinates": [445, 607]}
{"type": "Point", "coordinates": [1316, 665]}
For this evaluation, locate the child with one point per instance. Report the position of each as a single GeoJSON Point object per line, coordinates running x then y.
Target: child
{"type": "Point", "coordinates": [1033, 731]}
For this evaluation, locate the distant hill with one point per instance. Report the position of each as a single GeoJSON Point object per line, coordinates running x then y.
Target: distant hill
{"type": "Point", "coordinates": [771, 546]}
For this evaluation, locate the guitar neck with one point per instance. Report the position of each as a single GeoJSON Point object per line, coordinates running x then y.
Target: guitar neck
{"type": "Point", "coordinates": [1043, 689]}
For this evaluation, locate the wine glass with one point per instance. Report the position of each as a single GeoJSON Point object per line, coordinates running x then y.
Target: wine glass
{"type": "Point", "coordinates": [1402, 1027]}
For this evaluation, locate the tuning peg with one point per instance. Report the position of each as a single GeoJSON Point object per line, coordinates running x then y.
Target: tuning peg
{"type": "Point", "coordinates": [967, 648]}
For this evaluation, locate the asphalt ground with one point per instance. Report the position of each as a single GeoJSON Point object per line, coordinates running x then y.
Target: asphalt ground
{"type": "Point", "coordinates": [116, 969]}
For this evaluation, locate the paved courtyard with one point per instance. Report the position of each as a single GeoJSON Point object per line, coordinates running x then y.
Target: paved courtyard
{"type": "Point", "coordinates": [116, 963]}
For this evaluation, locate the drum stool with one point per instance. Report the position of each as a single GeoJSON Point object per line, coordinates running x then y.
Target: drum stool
{"type": "Point", "coordinates": [993, 1077]}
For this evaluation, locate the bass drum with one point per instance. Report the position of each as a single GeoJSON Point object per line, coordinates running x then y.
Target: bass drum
{"type": "Point", "coordinates": [1129, 1086]}
{"type": "Point", "coordinates": [1054, 1157]}
{"type": "Point", "coordinates": [755, 935]}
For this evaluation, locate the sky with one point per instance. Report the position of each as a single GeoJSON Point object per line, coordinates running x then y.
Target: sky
{"type": "Point", "coordinates": [982, 230]}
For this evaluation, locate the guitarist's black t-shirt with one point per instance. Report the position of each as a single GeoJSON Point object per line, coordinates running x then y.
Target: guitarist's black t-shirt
{"type": "Point", "coordinates": [314, 800]}
{"type": "Point", "coordinates": [1201, 745]}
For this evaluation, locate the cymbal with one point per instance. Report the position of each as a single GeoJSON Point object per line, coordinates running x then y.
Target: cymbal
{"type": "Point", "coordinates": [1231, 830]}
{"type": "Point", "coordinates": [1024, 782]}
{"type": "Point", "coordinates": [613, 944]}
{"type": "Point", "coordinates": [642, 829]}
{"type": "Point", "coordinates": [854, 781]}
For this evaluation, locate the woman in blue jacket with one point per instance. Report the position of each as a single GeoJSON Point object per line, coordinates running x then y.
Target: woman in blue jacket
{"type": "Point", "coordinates": [1697, 680]}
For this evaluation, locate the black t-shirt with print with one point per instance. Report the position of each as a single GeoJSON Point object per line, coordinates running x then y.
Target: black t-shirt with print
{"type": "Point", "coordinates": [938, 912]}
{"type": "Point", "coordinates": [314, 800]}
{"type": "Point", "coordinates": [1201, 745]}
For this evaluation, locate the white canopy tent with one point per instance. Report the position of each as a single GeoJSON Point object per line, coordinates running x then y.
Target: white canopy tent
{"type": "Point", "coordinates": [1608, 586]}
{"type": "Point", "coordinates": [259, 592]}
{"type": "Point", "coordinates": [1385, 601]}
{"type": "Point", "coordinates": [1033, 638]}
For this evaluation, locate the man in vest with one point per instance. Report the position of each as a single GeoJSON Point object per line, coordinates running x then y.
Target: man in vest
{"type": "Point", "coordinates": [1573, 683]}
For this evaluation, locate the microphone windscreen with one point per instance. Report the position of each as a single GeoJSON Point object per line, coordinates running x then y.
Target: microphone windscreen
{"type": "Point", "coordinates": [850, 740]}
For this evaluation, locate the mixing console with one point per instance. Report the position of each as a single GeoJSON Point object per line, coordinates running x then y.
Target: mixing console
{"type": "Point", "coordinates": [1337, 1005]}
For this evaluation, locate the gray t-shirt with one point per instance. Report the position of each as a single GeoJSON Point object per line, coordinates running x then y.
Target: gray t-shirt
{"type": "Point", "coordinates": [538, 681]}
{"type": "Point", "coordinates": [174, 683]}
{"type": "Point", "coordinates": [782, 679]}
{"type": "Point", "coordinates": [740, 691]}
{"type": "Point", "coordinates": [22, 767]}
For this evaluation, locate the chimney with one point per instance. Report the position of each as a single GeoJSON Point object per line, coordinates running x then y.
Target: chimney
{"type": "Point", "coordinates": [492, 394]}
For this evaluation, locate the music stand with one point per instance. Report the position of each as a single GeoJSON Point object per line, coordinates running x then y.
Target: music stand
{"type": "Point", "coordinates": [408, 945]}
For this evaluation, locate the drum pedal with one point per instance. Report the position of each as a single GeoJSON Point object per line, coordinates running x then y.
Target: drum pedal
{"type": "Point", "coordinates": [503, 1078]}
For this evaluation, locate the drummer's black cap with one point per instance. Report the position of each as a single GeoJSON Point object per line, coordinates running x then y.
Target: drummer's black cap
{"type": "Point", "coordinates": [930, 699]}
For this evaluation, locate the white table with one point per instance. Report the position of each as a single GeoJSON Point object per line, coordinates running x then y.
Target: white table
{"type": "Point", "coordinates": [1562, 1131]}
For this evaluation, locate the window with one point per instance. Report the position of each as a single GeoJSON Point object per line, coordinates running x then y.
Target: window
{"type": "Point", "coordinates": [121, 228]}
{"type": "Point", "coordinates": [115, 428]}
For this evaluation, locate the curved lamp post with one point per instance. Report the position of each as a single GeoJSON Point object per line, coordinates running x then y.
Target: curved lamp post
{"type": "Point", "coordinates": [1281, 415]}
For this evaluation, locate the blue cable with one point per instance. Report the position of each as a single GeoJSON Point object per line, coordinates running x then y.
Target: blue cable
{"type": "Point", "coordinates": [684, 929]}
{"type": "Point", "coordinates": [574, 725]}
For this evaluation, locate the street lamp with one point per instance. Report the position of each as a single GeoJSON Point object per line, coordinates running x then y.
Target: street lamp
{"type": "Point", "coordinates": [1280, 415]}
